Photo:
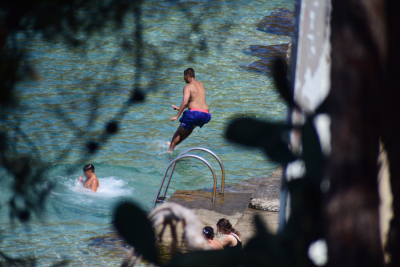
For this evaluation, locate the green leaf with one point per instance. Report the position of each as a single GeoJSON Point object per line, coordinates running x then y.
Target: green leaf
{"type": "Point", "coordinates": [266, 249]}
{"type": "Point", "coordinates": [132, 223]}
{"type": "Point", "coordinates": [305, 224]}
{"type": "Point", "coordinates": [265, 135]}
{"type": "Point", "coordinates": [261, 229]}
{"type": "Point", "coordinates": [206, 258]}
{"type": "Point", "coordinates": [312, 153]}
{"type": "Point", "coordinates": [279, 72]}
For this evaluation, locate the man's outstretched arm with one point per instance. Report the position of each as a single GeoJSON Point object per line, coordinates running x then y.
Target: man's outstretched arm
{"type": "Point", "coordinates": [184, 104]}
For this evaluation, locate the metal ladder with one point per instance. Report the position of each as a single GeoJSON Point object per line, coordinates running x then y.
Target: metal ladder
{"type": "Point", "coordinates": [161, 199]}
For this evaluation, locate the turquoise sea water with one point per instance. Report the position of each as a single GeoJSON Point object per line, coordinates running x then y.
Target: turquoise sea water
{"type": "Point", "coordinates": [131, 165]}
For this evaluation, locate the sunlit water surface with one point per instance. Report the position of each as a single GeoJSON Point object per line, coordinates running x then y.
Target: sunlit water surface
{"type": "Point", "coordinates": [133, 162]}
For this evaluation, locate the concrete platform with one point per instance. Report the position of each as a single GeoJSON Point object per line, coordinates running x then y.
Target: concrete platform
{"type": "Point", "coordinates": [259, 193]}
{"type": "Point", "coordinates": [230, 205]}
{"type": "Point", "coordinates": [233, 205]}
{"type": "Point", "coordinates": [246, 227]}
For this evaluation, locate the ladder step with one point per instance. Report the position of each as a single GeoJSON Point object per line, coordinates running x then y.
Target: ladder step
{"type": "Point", "coordinates": [161, 199]}
{"type": "Point", "coordinates": [173, 164]}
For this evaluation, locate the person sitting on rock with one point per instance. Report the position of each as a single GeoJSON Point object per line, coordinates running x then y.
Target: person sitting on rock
{"type": "Point", "coordinates": [208, 233]}
{"type": "Point", "coordinates": [232, 240]}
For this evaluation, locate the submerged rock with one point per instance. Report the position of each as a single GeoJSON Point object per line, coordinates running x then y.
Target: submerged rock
{"type": "Point", "coordinates": [267, 54]}
{"type": "Point", "coordinates": [278, 22]}
{"type": "Point", "coordinates": [110, 241]}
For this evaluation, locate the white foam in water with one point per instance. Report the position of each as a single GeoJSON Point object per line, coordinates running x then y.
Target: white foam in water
{"type": "Point", "coordinates": [113, 187]}
{"type": "Point", "coordinates": [161, 146]}
{"type": "Point", "coordinates": [109, 187]}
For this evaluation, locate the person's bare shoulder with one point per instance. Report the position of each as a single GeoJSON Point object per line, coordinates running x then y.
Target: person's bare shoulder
{"type": "Point", "coordinates": [202, 86]}
{"type": "Point", "coordinates": [230, 239]}
{"type": "Point", "coordinates": [218, 245]}
{"type": "Point", "coordinates": [188, 88]}
{"type": "Point", "coordinates": [94, 185]}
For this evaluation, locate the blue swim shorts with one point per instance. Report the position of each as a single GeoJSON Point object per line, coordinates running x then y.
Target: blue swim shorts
{"type": "Point", "coordinates": [192, 118]}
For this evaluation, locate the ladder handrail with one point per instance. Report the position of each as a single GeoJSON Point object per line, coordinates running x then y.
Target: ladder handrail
{"type": "Point", "coordinates": [174, 161]}
{"type": "Point", "coordinates": [201, 149]}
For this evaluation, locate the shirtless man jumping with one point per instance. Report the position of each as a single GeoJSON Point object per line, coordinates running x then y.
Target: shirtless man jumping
{"type": "Point", "coordinates": [91, 180]}
{"type": "Point", "coordinates": [194, 97]}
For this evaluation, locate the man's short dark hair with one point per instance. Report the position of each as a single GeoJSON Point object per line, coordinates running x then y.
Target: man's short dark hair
{"type": "Point", "coordinates": [190, 72]}
{"type": "Point", "coordinates": [208, 231]}
{"type": "Point", "coordinates": [88, 167]}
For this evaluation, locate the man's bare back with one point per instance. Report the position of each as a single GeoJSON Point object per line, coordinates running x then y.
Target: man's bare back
{"type": "Point", "coordinates": [194, 97]}
{"type": "Point", "coordinates": [197, 95]}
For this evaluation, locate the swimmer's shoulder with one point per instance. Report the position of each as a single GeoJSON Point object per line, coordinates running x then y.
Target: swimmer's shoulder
{"type": "Point", "coordinates": [93, 180]}
{"type": "Point", "coordinates": [96, 181]}
{"type": "Point", "coordinates": [201, 86]}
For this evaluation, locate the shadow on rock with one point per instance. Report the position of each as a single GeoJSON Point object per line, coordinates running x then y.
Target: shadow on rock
{"type": "Point", "coordinates": [267, 55]}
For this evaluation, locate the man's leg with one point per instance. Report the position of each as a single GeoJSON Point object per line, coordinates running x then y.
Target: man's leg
{"type": "Point", "coordinates": [180, 135]}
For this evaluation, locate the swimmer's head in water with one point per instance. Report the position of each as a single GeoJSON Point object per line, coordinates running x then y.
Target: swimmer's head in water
{"type": "Point", "coordinates": [88, 170]}
{"type": "Point", "coordinates": [208, 231]}
{"type": "Point", "coordinates": [187, 74]}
